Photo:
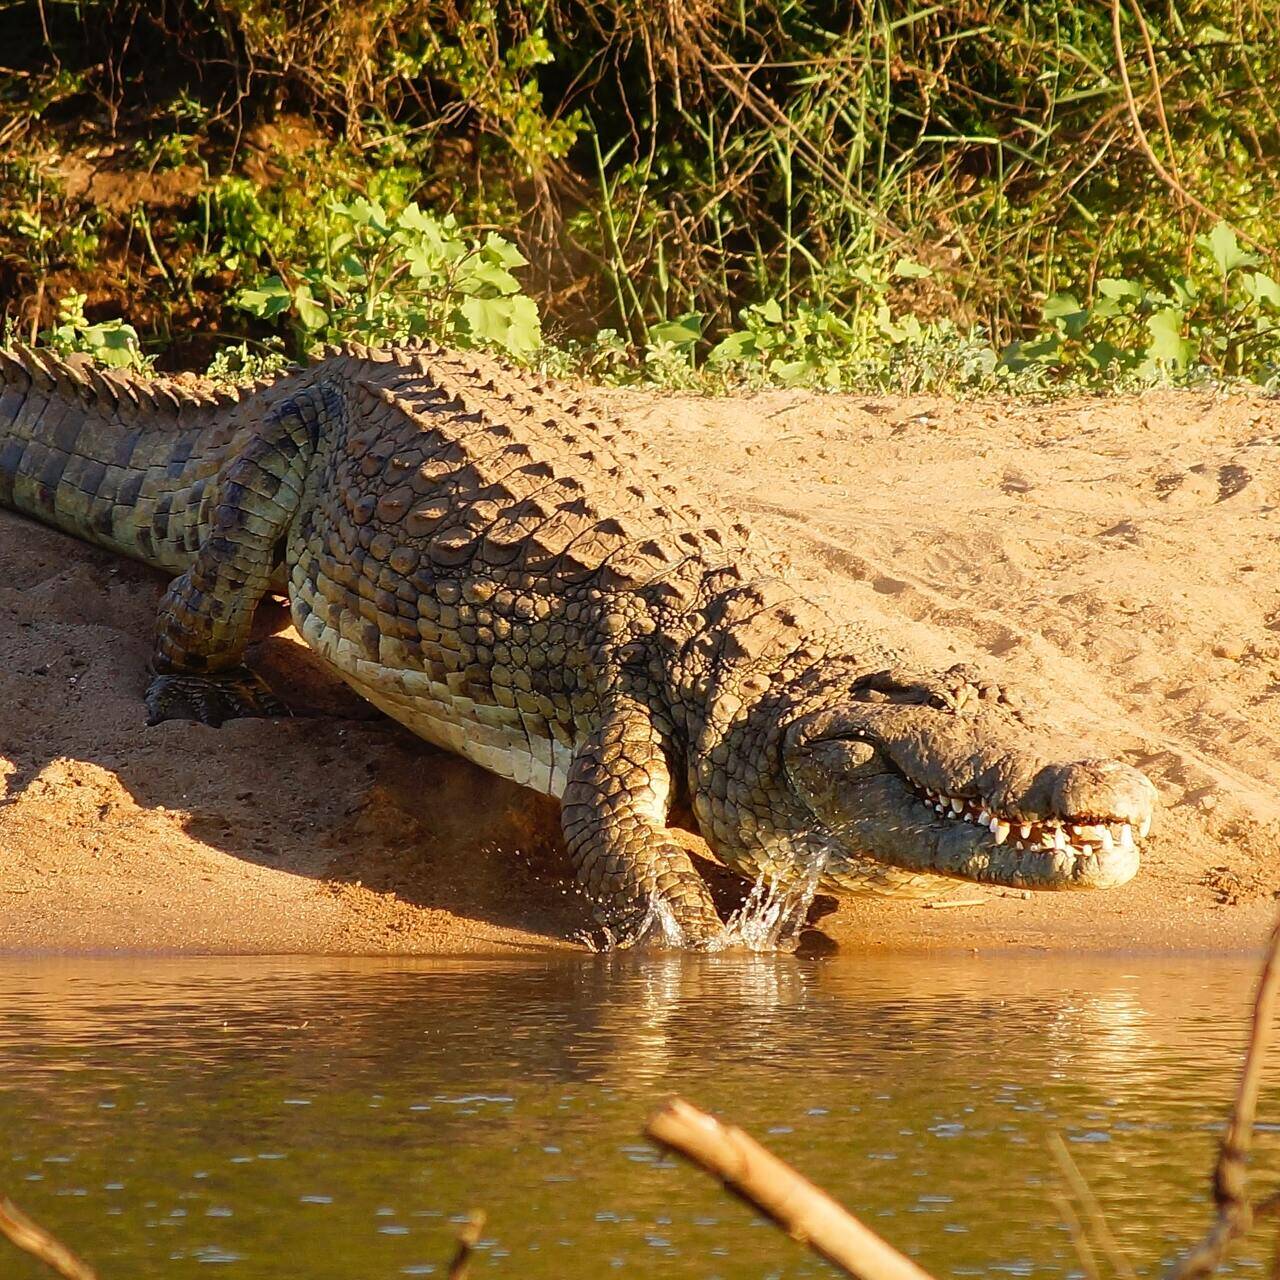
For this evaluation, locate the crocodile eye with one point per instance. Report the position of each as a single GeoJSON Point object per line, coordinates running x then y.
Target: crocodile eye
{"type": "Point", "coordinates": [844, 755]}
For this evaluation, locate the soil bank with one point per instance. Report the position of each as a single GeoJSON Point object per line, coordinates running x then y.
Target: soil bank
{"type": "Point", "coordinates": [1116, 559]}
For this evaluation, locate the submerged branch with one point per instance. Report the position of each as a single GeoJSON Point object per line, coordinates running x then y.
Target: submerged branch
{"type": "Point", "coordinates": [1083, 1193]}
{"type": "Point", "coordinates": [802, 1210]}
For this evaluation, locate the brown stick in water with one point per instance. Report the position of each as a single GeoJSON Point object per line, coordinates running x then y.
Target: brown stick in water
{"type": "Point", "coordinates": [804, 1211]}
{"type": "Point", "coordinates": [1234, 1212]}
{"type": "Point", "coordinates": [32, 1238]}
{"type": "Point", "coordinates": [468, 1237]}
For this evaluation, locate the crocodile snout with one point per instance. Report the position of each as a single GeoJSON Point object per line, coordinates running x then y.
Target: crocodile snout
{"type": "Point", "coordinates": [1102, 790]}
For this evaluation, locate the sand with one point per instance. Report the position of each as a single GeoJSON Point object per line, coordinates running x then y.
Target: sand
{"type": "Point", "coordinates": [1115, 559]}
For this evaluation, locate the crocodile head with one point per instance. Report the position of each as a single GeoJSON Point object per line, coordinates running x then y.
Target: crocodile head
{"type": "Point", "coordinates": [938, 775]}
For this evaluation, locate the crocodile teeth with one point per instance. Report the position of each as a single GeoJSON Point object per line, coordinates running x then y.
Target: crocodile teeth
{"type": "Point", "coordinates": [1046, 835]}
{"type": "Point", "coordinates": [1145, 829]}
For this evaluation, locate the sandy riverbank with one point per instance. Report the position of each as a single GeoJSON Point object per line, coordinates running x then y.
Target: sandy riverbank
{"type": "Point", "coordinates": [1117, 559]}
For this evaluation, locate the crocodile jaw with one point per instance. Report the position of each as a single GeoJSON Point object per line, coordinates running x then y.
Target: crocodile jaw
{"type": "Point", "coordinates": [971, 797]}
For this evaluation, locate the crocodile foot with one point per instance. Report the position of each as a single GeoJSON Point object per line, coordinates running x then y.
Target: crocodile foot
{"type": "Point", "coordinates": [211, 699]}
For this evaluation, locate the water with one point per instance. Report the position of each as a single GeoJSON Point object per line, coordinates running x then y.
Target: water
{"type": "Point", "coordinates": [769, 920]}
{"type": "Point", "coordinates": [330, 1120]}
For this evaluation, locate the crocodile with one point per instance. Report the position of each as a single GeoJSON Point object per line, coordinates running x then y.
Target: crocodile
{"type": "Point", "coordinates": [493, 562]}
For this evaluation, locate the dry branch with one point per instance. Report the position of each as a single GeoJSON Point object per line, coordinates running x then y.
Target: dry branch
{"type": "Point", "coordinates": [1144, 143]}
{"type": "Point", "coordinates": [804, 1211]}
{"type": "Point", "coordinates": [468, 1238]}
{"type": "Point", "coordinates": [34, 1239]}
{"type": "Point", "coordinates": [1230, 1193]}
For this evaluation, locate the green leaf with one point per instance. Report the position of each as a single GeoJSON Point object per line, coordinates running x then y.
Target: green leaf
{"type": "Point", "coordinates": [681, 332]}
{"type": "Point", "coordinates": [1060, 304]}
{"type": "Point", "coordinates": [1223, 246]}
{"type": "Point", "coordinates": [1263, 289]}
{"type": "Point", "coordinates": [1167, 345]}
{"type": "Point", "coordinates": [790, 372]}
{"type": "Point", "coordinates": [310, 312]}
{"type": "Point", "coordinates": [736, 346]}
{"type": "Point", "coordinates": [909, 269]}
{"type": "Point", "coordinates": [1185, 291]}
{"type": "Point", "coordinates": [1110, 287]}
{"type": "Point", "coordinates": [1018, 356]}
{"type": "Point", "coordinates": [503, 252]}
{"type": "Point", "coordinates": [412, 218]}
{"type": "Point", "coordinates": [906, 328]}
{"type": "Point", "coordinates": [1069, 317]}
{"type": "Point", "coordinates": [270, 299]}
{"type": "Point", "coordinates": [509, 323]}
{"type": "Point", "coordinates": [1102, 355]}
{"type": "Point", "coordinates": [770, 312]}
{"type": "Point", "coordinates": [114, 343]}
{"type": "Point", "coordinates": [353, 267]}
{"type": "Point", "coordinates": [480, 276]}
{"type": "Point", "coordinates": [1118, 297]}
{"type": "Point", "coordinates": [364, 213]}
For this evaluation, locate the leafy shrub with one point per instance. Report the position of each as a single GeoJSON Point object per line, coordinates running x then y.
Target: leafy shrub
{"type": "Point", "coordinates": [378, 278]}
{"type": "Point", "coordinates": [110, 342]}
{"type": "Point", "coordinates": [1221, 317]}
{"type": "Point", "coordinates": [708, 195]}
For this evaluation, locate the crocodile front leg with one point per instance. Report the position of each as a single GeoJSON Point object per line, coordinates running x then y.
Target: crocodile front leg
{"type": "Point", "coordinates": [206, 615]}
{"type": "Point", "coordinates": [614, 812]}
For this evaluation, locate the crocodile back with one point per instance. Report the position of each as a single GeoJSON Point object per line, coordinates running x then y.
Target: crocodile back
{"type": "Point", "coordinates": [480, 545]}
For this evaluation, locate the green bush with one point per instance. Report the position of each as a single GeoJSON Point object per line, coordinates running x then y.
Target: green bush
{"type": "Point", "coordinates": [714, 194]}
{"type": "Point", "coordinates": [378, 278]}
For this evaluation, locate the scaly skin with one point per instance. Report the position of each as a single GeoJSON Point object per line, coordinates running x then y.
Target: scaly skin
{"type": "Point", "coordinates": [502, 573]}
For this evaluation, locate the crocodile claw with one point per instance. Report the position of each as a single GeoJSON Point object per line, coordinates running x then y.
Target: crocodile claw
{"type": "Point", "coordinates": [211, 699]}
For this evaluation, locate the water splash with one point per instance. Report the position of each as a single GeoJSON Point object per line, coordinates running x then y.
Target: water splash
{"type": "Point", "coordinates": [658, 928]}
{"type": "Point", "coordinates": [773, 913]}
{"type": "Point", "coordinates": [770, 919]}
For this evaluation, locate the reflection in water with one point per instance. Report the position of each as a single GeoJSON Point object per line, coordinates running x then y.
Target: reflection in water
{"type": "Point", "coordinates": [328, 1119]}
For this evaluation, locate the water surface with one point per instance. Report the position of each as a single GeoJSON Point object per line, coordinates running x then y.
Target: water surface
{"type": "Point", "coordinates": [332, 1120]}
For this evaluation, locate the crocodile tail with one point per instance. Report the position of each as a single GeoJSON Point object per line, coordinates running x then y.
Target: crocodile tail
{"type": "Point", "coordinates": [123, 462]}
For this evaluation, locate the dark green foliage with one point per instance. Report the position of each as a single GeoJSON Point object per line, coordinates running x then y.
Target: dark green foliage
{"type": "Point", "coordinates": [778, 191]}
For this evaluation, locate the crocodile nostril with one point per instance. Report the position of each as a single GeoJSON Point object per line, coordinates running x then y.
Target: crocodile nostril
{"type": "Point", "coordinates": [1103, 789]}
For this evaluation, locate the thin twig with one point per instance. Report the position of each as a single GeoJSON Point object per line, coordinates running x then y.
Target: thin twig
{"type": "Point", "coordinates": [34, 1239]}
{"type": "Point", "coordinates": [1083, 1193]}
{"type": "Point", "coordinates": [1234, 1213]}
{"type": "Point", "coordinates": [1157, 92]}
{"type": "Point", "coordinates": [468, 1238]}
{"type": "Point", "coordinates": [1144, 143]}
{"type": "Point", "coordinates": [1079, 1238]}
{"type": "Point", "coordinates": [803, 1211]}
